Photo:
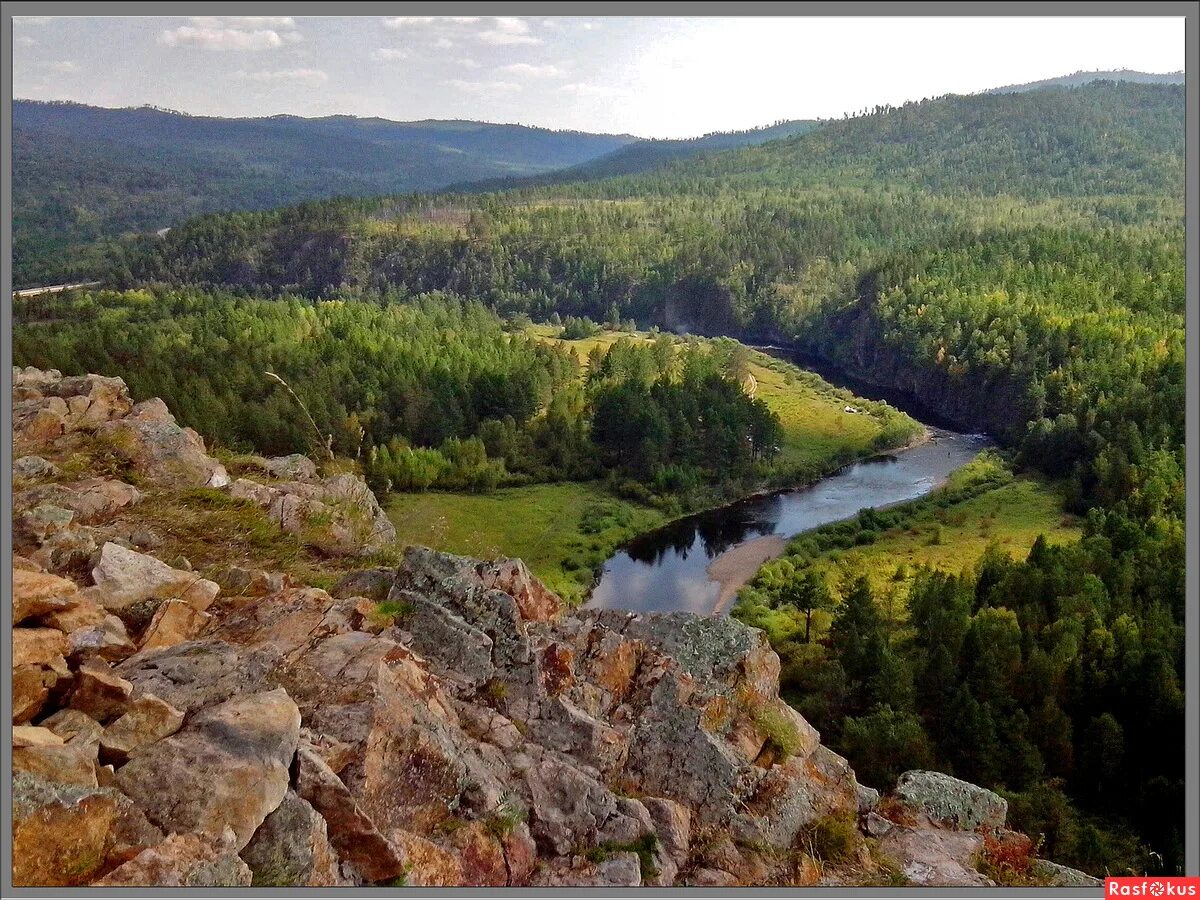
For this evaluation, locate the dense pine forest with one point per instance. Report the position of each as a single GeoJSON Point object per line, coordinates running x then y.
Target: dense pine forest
{"type": "Point", "coordinates": [1015, 260]}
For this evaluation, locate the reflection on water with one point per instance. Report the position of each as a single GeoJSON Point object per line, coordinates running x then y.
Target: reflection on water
{"type": "Point", "coordinates": [664, 570]}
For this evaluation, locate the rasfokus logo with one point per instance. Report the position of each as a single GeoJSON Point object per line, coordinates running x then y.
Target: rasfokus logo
{"type": "Point", "coordinates": [1152, 887]}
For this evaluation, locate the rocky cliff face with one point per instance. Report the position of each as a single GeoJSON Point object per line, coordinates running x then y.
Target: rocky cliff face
{"type": "Point", "coordinates": [434, 721]}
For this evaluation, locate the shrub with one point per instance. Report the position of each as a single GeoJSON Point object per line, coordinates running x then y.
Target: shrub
{"type": "Point", "coordinates": [834, 838]}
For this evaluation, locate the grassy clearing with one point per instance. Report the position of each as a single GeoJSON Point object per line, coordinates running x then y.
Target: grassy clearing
{"type": "Point", "coordinates": [982, 504]}
{"type": "Point", "coordinates": [953, 539]}
{"type": "Point", "coordinates": [818, 435]}
{"type": "Point", "coordinates": [562, 531]}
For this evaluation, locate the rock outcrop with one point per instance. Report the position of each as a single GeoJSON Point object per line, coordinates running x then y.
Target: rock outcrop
{"type": "Point", "coordinates": [439, 721]}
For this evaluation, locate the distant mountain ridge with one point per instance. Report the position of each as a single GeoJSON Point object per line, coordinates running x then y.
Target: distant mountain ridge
{"type": "Point", "coordinates": [83, 173]}
{"type": "Point", "coordinates": [1077, 79]}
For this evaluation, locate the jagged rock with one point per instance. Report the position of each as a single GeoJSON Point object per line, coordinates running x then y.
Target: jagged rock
{"type": "Point", "coordinates": [950, 801]}
{"type": "Point", "coordinates": [534, 600]}
{"type": "Point", "coordinates": [133, 585]}
{"type": "Point", "coordinates": [228, 768]}
{"type": "Point", "coordinates": [34, 736]}
{"type": "Point", "coordinates": [197, 674]}
{"type": "Point", "coordinates": [75, 728]}
{"type": "Point", "coordinates": [481, 856]}
{"type": "Point", "coordinates": [37, 646]}
{"type": "Point", "coordinates": [92, 400]}
{"type": "Point", "coordinates": [291, 848]}
{"type": "Point", "coordinates": [253, 583]}
{"type": "Point", "coordinates": [366, 854]}
{"type": "Point", "coordinates": [705, 877]}
{"type": "Point", "coordinates": [33, 467]}
{"type": "Point", "coordinates": [371, 693]}
{"type": "Point", "coordinates": [373, 584]}
{"type": "Point", "coordinates": [99, 691]}
{"type": "Point", "coordinates": [673, 825]}
{"type": "Point", "coordinates": [296, 467]}
{"type": "Point", "coordinates": [182, 860]}
{"type": "Point", "coordinates": [66, 835]}
{"type": "Point", "coordinates": [63, 763]}
{"type": "Point", "coordinates": [91, 500]}
{"type": "Point", "coordinates": [107, 639]}
{"type": "Point", "coordinates": [174, 622]}
{"type": "Point", "coordinates": [289, 619]}
{"type": "Point", "coordinates": [617, 870]}
{"type": "Point", "coordinates": [82, 612]}
{"type": "Point", "coordinates": [1054, 875]}
{"type": "Point", "coordinates": [31, 688]}
{"type": "Point", "coordinates": [935, 857]}
{"type": "Point", "coordinates": [38, 593]}
{"type": "Point", "coordinates": [71, 549]}
{"type": "Point", "coordinates": [162, 452]}
{"type": "Point", "coordinates": [338, 514]}
{"type": "Point", "coordinates": [147, 720]}
{"type": "Point", "coordinates": [428, 864]}
{"type": "Point", "coordinates": [570, 809]}
{"type": "Point", "coordinates": [42, 521]}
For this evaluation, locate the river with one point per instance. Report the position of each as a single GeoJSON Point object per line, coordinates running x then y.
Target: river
{"type": "Point", "coordinates": [698, 563]}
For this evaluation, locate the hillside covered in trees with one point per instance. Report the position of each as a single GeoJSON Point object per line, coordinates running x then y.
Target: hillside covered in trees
{"type": "Point", "coordinates": [1013, 259]}
{"type": "Point", "coordinates": [82, 172]}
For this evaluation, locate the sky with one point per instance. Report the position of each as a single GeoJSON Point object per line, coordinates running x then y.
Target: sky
{"type": "Point", "coordinates": [648, 76]}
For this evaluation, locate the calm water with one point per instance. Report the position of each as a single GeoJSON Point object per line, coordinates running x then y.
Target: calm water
{"type": "Point", "coordinates": [665, 570]}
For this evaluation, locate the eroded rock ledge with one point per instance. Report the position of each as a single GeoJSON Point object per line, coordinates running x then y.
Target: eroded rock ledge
{"type": "Point", "coordinates": [443, 721]}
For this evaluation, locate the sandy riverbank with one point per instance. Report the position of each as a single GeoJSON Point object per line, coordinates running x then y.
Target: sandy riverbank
{"type": "Point", "coordinates": [735, 567]}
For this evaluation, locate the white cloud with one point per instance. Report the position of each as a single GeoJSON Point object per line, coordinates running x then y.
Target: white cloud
{"type": "Point", "coordinates": [301, 77]}
{"type": "Point", "coordinates": [525, 70]}
{"type": "Point", "coordinates": [582, 89]}
{"type": "Point", "coordinates": [508, 30]}
{"type": "Point", "coordinates": [243, 22]}
{"type": "Point", "coordinates": [32, 20]}
{"type": "Point", "coordinates": [64, 66]}
{"type": "Point", "coordinates": [443, 43]}
{"type": "Point", "coordinates": [233, 33]}
{"type": "Point", "coordinates": [398, 22]}
{"type": "Point", "coordinates": [466, 63]}
{"type": "Point", "coordinates": [484, 87]}
{"type": "Point", "coordinates": [389, 54]}
{"type": "Point", "coordinates": [24, 41]}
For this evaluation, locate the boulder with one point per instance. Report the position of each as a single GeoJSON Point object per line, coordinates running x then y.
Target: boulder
{"type": "Point", "coordinates": [163, 453]}
{"type": "Point", "coordinates": [174, 622]}
{"type": "Point", "coordinates": [428, 864]}
{"type": "Point", "coordinates": [147, 720]}
{"type": "Point", "coordinates": [38, 593]}
{"type": "Point", "coordinates": [228, 768]}
{"type": "Point", "coordinates": [99, 691]}
{"type": "Point", "coordinates": [91, 501]}
{"type": "Point", "coordinates": [950, 801]}
{"type": "Point", "coordinates": [33, 467]}
{"type": "Point", "coordinates": [133, 585]}
{"type": "Point", "coordinates": [935, 857]}
{"type": "Point", "coordinates": [63, 763]}
{"type": "Point", "coordinates": [338, 514]}
{"type": "Point", "coordinates": [366, 855]}
{"type": "Point", "coordinates": [182, 860]}
{"type": "Point", "coordinates": [66, 835]}
{"type": "Point", "coordinates": [291, 848]}
{"type": "Point", "coordinates": [296, 467]}
{"type": "Point", "coordinates": [31, 689]}
{"type": "Point", "coordinates": [76, 728]}
{"type": "Point", "coordinates": [197, 674]}
{"type": "Point", "coordinates": [34, 736]}
{"type": "Point", "coordinates": [107, 639]}
{"type": "Point", "coordinates": [1052, 874]}
{"type": "Point", "coordinates": [37, 646]}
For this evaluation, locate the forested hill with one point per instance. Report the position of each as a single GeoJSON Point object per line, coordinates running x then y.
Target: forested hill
{"type": "Point", "coordinates": [1076, 79]}
{"type": "Point", "coordinates": [648, 155]}
{"type": "Point", "coordinates": [81, 172]}
{"type": "Point", "coordinates": [1103, 138]}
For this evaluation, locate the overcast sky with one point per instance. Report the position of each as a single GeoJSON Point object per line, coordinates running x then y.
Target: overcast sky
{"type": "Point", "coordinates": [650, 76]}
